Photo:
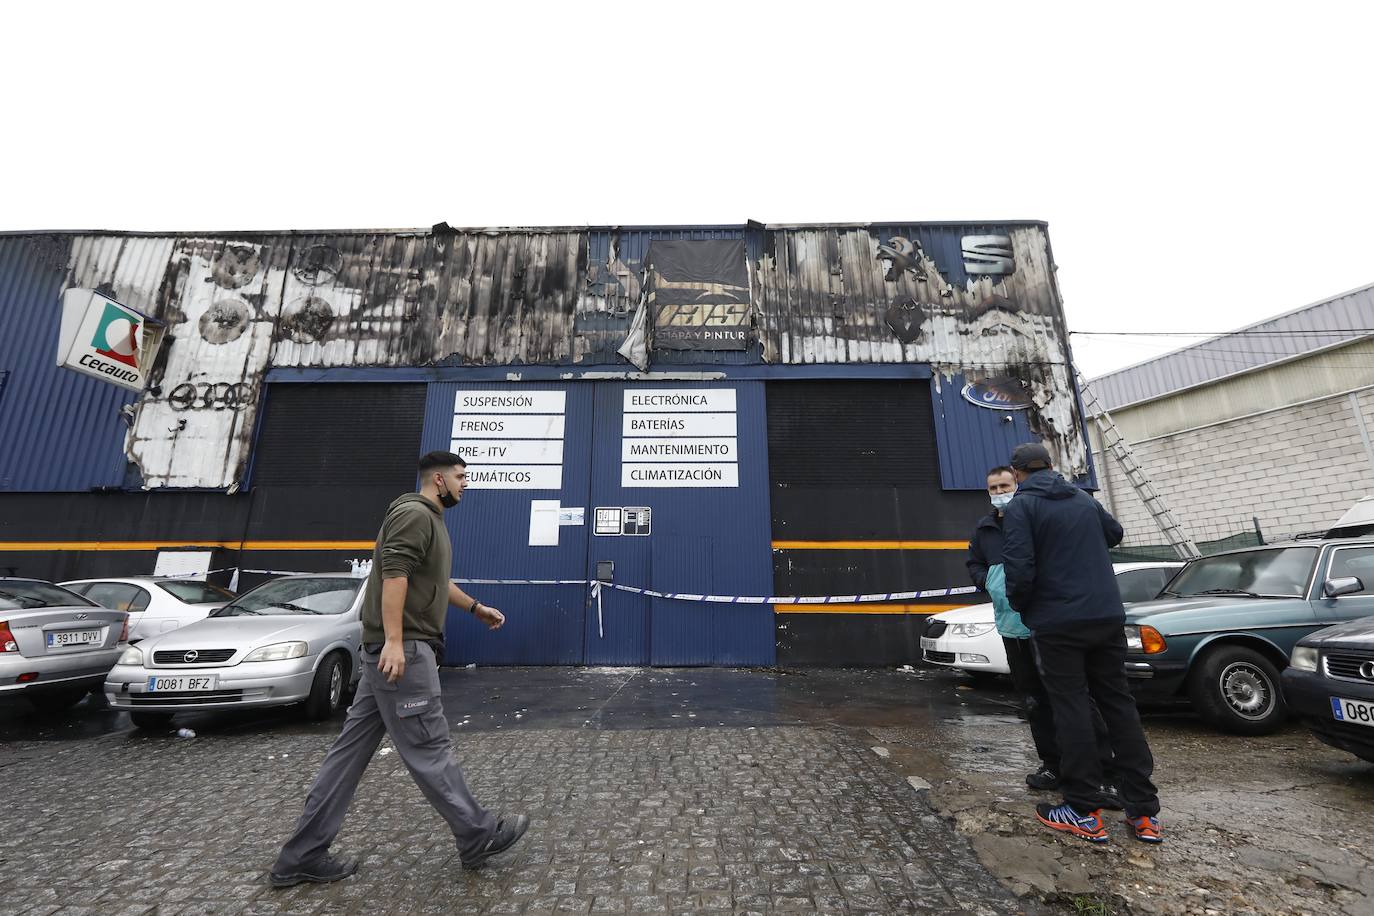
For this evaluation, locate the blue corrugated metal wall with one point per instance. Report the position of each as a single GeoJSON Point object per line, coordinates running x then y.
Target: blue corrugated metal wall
{"type": "Point", "coordinates": [490, 532]}
{"type": "Point", "coordinates": [59, 430]}
{"type": "Point", "coordinates": [704, 540]}
{"type": "Point", "coordinates": [972, 439]}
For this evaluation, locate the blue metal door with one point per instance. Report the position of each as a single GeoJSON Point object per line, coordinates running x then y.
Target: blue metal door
{"type": "Point", "coordinates": [683, 468]}
{"type": "Point", "coordinates": [525, 443]}
{"type": "Point", "coordinates": [694, 455]}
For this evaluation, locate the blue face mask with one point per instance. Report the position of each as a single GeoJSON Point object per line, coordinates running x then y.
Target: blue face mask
{"type": "Point", "coordinates": [999, 501]}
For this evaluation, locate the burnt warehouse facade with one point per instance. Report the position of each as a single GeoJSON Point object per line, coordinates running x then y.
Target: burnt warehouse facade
{"type": "Point", "coordinates": [788, 425]}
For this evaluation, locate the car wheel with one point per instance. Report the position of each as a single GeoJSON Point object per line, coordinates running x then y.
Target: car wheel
{"type": "Point", "coordinates": [328, 689]}
{"type": "Point", "coordinates": [57, 701]}
{"type": "Point", "coordinates": [1237, 690]}
{"type": "Point", "coordinates": [152, 721]}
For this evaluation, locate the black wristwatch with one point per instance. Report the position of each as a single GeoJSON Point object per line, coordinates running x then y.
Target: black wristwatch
{"type": "Point", "coordinates": [475, 605]}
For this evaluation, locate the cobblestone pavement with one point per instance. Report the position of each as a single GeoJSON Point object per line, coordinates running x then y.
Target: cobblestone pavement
{"type": "Point", "coordinates": [628, 820]}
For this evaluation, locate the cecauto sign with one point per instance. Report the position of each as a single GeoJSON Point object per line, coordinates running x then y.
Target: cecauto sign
{"type": "Point", "coordinates": [110, 341]}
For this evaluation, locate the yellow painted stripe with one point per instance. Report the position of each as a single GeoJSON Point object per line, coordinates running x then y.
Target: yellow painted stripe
{"type": "Point", "coordinates": [36, 546]}
{"type": "Point", "coordinates": [870, 545]}
{"type": "Point", "coordinates": [865, 608]}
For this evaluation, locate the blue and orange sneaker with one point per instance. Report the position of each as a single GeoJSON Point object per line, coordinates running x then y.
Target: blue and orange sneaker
{"type": "Point", "coordinates": [1063, 817]}
{"type": "Point", "coordinates": [1146, 828]}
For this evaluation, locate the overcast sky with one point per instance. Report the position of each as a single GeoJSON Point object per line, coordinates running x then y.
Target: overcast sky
{"type": "Point", "coordinates": [1201, 165]}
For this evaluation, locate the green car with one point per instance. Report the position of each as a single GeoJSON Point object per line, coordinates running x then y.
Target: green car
{"type": "Point", "coordinates": [1223, 628]}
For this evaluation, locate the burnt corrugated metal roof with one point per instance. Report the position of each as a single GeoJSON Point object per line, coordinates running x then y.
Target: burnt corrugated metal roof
{"type": "Point", "coordinates": [1331, 322]}
{"type": "Point", "coordinates": [239, 304]}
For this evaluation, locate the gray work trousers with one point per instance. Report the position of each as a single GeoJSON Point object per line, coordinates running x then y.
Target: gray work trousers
{"type": "Point", "coordinates": [410, 712]}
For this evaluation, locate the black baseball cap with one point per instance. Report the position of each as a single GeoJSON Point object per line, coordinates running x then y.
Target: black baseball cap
{"type": "Point", "coordinates": [1030, 456]}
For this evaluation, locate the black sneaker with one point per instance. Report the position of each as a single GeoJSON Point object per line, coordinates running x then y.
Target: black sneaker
{"type": "Point", "coordinates": [1043, 779]}
{"type": "Point", "coordinates": [322, 871]}
{"type": "Point", "coordinates": [508, 831]}
{"type": "Point", "coordinates": [1110, 798]}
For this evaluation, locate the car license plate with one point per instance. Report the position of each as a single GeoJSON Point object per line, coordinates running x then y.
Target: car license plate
{"type": "Point", "coordinates": [57, 639]}
{"type": "Point", "coordinates": [927, 643]}
{"type": "Point", "coordinates": [1356, 712]}
{"type": "Point", "coordinates": [182, 683]}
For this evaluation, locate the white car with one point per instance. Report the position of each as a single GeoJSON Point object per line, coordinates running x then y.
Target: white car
{"type": "Point", "coordinates": [966, 638]}
{"type": "Point", "coordinates": [291, 640]}
{"type": "Point", "coordinates": [154, 605]}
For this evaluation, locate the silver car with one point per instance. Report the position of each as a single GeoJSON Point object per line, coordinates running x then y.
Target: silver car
{"type": "Point", "coordinates": [155, 605]}
{"type": "Point", "coordinates": [292, 640]}
{"type": "Point", "coordinates": [55, 646]}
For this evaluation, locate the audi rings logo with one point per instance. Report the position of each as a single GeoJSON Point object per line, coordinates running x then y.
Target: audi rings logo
{"type": "Point", "coordinates": [191, 656]}
{"type": "Point", "coordinates": [1367, 671]}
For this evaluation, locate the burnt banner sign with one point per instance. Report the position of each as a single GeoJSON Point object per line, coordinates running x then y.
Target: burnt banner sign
{"type": "Point", "coordinates": [699, 294]}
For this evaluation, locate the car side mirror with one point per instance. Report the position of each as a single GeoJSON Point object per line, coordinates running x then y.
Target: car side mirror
{"type": "Point", "coordinates": [1347, 585]}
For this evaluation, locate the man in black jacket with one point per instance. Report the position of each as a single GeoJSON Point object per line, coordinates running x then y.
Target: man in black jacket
{"type": "Point", "coordinates": [1059, 577]}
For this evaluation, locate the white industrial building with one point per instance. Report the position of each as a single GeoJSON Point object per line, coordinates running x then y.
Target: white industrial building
{"type": "Point", "coordinates": [1266, 427]}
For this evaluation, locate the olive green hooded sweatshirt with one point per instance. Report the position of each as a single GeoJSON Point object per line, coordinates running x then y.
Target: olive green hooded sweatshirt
{"type": "Point", "coordinates": [413, 544]}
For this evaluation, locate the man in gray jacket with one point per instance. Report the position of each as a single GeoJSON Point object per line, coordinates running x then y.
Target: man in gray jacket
{"type": "Point", "coordinates": [404, 608]}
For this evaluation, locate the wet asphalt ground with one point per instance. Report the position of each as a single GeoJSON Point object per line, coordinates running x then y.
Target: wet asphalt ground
{"type": "Point", "coordinates": [681, 790]}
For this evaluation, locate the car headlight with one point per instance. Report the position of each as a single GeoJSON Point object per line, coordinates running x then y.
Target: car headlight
{"type": "Point", "coordinates": [970, 630]}
{"type": "Point", "coordinates": [1145, 640]}
{"type": "Point", "coordinates": [132, 656]}
{"type": "Point", "coordinates": [1304, 658]}
{"type": "Point", "coordinates": [277, 652]}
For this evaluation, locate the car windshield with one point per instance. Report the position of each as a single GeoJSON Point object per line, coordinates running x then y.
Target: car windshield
{"type": "Point", "coordinates": [1278, 573]}
{"type": "Point", "coordinates": [332, 595]}
{"type": "Point", "coordinates": [198, 592]}
{"type": "Point", "coordinates": [23, 594]}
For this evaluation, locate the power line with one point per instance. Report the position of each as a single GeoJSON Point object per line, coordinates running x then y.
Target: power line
{"type": "Point", "coordinates": [1330, 332]}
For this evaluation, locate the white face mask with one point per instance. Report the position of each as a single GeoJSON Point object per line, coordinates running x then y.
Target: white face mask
{"type": "Point", "coordinates": [1000, 500]}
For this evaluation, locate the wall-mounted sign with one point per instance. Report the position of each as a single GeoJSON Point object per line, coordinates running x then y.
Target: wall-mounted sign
{"type": "Point", "coordinates": [678, 400]}
{"type": "Point", "coordinates": [110, 341]}
{"type": "Point", "coordinates": [607, 521]}
{"type": "Point", "coordinates": [512, 440]}
{"type": "Point", "coordinates": [904, 319]}
{"type": "Point", "coordinates": [637, 521]}
{"type": "Point", "coordinates": [699, 294]}
{"type": "Point", "coordinates": [988, 255]}
{"type": "Point", "coordinates": [998, 394]}
{"type": "Point", "coordinates": [618, 521]}
{"type": "Point", "coordinates": [679, 475]}
{"type": "Point", "coordinates": [902, 255]}
{"type": "Point", "coordinates": [679, 424]}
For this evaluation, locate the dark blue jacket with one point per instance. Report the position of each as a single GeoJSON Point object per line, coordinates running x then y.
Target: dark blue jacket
{"type": "Point", "coordinates": [984, 549]}
{"type": "Point", "coordinates": [1054, 551]}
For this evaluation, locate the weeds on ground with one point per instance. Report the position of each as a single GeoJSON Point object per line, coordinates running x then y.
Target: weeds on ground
{"type": "Point", "coordinates": [1090, 905]}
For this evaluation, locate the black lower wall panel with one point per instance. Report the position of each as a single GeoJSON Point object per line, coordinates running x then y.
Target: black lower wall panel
{"type": "Point", "coordinates": [849, 640]}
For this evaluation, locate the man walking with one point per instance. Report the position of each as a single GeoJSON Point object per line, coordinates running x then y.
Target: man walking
{"type": "Point", "coordinates": [1059, 577]}
{"type": "Point", "coordinates": [403, 612]}
{"type": "Point", "coordinates": [985, 569]}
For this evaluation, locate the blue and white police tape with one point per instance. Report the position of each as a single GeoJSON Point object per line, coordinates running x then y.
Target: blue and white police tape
{"type": "Point", "coordinates": [596, 586]}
